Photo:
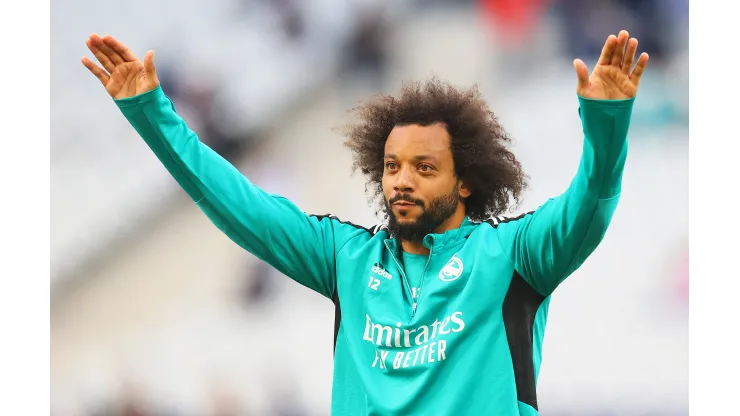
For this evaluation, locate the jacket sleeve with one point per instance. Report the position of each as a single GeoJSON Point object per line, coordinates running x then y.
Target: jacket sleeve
{"type": "Point", "coordinates": [271, 227]}
{"type": "Point", "coordinates": [549, 244]}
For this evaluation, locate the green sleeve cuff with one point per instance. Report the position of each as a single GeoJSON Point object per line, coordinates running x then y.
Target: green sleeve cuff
{"type": "Point", "coordinates": [140, 98]}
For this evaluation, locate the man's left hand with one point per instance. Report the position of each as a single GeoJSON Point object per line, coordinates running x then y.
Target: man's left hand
{"type": "Point", "coordinates": [613, 78]}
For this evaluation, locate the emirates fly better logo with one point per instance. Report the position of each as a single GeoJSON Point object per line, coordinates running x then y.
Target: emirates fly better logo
{"type": "Point", "coordinates": [419, 345]}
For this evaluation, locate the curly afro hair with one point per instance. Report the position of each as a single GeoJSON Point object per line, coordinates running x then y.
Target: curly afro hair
{"type": "Point", "coordinates": [478, 142]}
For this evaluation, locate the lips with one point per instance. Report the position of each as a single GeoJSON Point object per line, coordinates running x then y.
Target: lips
{"type": "Point", "coordinates": [402, 201]}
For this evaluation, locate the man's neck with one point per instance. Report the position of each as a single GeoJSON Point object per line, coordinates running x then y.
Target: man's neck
{"type": "Point", "coordinates": [417, 247]}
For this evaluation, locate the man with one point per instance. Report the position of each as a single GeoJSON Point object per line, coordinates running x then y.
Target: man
{"type": "Point", "coordinates": [441, 311]}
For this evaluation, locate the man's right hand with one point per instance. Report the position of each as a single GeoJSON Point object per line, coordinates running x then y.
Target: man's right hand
{"type": "Point", "coordinates": [124, 75]}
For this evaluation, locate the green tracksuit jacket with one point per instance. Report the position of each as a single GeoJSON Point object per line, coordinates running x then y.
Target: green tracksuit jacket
{"type": "Point", "coordinates": [463, 335]}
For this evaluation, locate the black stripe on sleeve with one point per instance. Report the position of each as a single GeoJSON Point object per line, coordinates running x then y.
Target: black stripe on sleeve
{"type": "Point", "coordinates": [337, 317]}
{"type": "Point", "coordinates": [519, 310]}
{"type": "Point", "coordinates": [372, 230]}
{"type": "Point", "coordinates": [496, 221]}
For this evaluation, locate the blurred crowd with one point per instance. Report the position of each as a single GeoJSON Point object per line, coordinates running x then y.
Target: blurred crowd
{"type": "Point", "coordinates": [517, 25]}
{"type": "Point", "coordinates": [236, 102]}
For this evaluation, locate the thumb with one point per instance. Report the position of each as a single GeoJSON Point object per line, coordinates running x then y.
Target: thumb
{"type": "Point", "coordinates": [149, 69]}
{"type": "Point", "coordinates": [581, 73]}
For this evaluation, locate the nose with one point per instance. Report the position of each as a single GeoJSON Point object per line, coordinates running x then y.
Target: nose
{"type": "Point", "coordinates": [404, 181]}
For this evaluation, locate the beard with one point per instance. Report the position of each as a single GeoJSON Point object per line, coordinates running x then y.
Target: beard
{"type": "Point", "coordinates": [430, 219]}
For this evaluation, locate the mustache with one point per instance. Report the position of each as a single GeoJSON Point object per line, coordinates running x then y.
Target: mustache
{"type": "Point", "coordinates": [405, 198]}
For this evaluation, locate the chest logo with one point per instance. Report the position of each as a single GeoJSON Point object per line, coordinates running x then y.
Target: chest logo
{"type": "Point", "coordinates": [380, 271]}
{"type": "Point", "coordinates": [377, 271]}
{"type": "Point", "coordinates": [452, 270]}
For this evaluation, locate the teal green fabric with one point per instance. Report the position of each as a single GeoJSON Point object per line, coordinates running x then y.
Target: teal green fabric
{"type": "Point", "coordinates": [445, 352]}
{"type": "Point", "coordinates": [413, 268]}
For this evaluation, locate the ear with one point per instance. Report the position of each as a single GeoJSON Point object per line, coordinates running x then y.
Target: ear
{"type": "Point", "coordinates": [465, 192]}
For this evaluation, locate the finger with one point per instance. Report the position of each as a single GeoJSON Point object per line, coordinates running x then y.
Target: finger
{"type": "Point", "coordinates": [639, 68]}
{"type": "Point", "coordinates": [629, 57]}
{"type": "Point", "coordinates": [618, 54]}
{"type": "Point", "coordinates": [100, 56]}
{"type": "Point", "coordinates": [107, 50]}
{"type": "Point", "coordinates": [122, 50]}
{"type": "Point", "coordinates": [582, 73]}
{"type": "Point", "coordinates": [607, 50]}
{"type": "Point", "coordinates": [96, 70]}
{"type": "Point", "coordinates": [149, 69]}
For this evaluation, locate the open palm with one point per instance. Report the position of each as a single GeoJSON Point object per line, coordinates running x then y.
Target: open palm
{"type": "Point", "coordinates": [613, 78]}
{"type": "Point", "coordinates": [123, 75]}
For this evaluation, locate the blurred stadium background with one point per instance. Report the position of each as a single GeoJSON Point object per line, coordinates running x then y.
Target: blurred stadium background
{"type": "Point", "coordinates": [155, 312]}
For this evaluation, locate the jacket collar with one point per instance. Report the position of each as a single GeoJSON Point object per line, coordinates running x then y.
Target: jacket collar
{"type": "Point", "coordinates": [439, 241]}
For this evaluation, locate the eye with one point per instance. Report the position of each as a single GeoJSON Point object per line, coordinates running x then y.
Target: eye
{"type": "Point", "coordinates": [425, 168]}
{"type": "Point", "coordinates": [391, 165]}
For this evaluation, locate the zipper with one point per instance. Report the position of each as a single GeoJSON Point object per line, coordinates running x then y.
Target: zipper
{"type": "Point", "coordinates": [404, 278]}
{"type": "Point", "coordinates": [421, 282]}
{"type": "Point", "coordinates": [414, 300]}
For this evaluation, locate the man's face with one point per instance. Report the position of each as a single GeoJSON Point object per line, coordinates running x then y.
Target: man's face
{"type": "Point", "coordinates": [419, 183]}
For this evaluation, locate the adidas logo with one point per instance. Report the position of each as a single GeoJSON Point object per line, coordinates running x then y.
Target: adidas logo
{"type": "Point", "coordinates": [380, 270]}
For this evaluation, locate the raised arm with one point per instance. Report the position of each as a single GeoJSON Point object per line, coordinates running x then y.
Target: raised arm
{"type": "Point", "coordinates": [271, 227]}
{"type": "Point", "coordinates": [546, 246]}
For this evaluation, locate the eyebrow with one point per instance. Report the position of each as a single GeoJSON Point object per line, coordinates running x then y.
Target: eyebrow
{"type": "Point", "coordinates": [418, 158]}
